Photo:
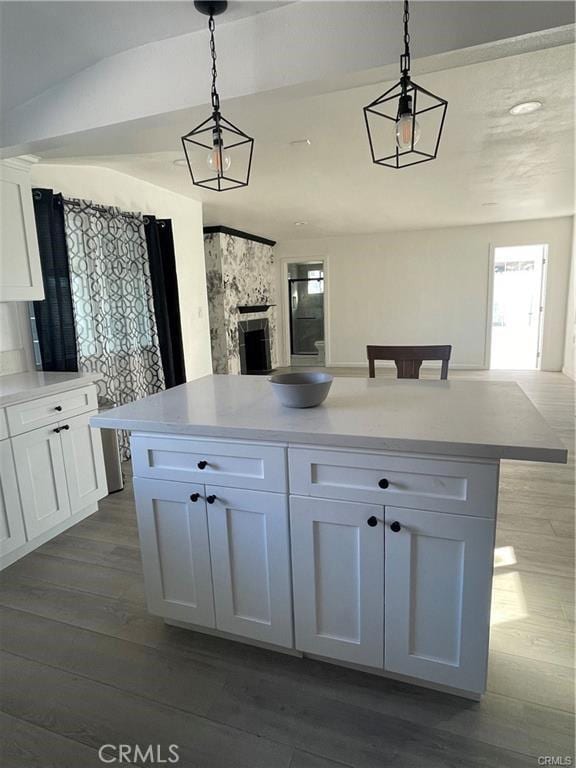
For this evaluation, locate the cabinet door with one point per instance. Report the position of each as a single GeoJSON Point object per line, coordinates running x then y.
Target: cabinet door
{"type": "Point", "coordinates": [338, 577]}
{"type": "Point", "coordinates": [12, 533]}
{"type": "Point", "coordinates": [249, 545]}
{"type": "Point", "coordinates": [175, 550]}
{"type": "Point", "coordinates": [84, 462]}
{"type": "Point", "coordinates": [41, 479]}
{"type": "Point", "coordinates": [20, 274]}
{"type": "Point", "coordinates": [438, 583]}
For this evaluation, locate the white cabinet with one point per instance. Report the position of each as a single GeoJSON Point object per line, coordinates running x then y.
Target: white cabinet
{"type": "Point", "coordinates": [437, 607]}
{"type": "Point", "coordinates": [338, 579]}
{"type": "Point", "coordinates": [12, 534]}
{"type": "Point", "coordinates": [250, 550]}
{"type": "Point", "coordinates": [175, 550]}
{"type": "Point", "coordinates": [20, 273]}
{"type": "Point", "coordinates": [84, 462]}
{"type": "Point", "coordinates": [41, 479]}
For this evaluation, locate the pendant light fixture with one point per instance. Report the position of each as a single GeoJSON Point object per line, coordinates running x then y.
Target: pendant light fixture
{"type": "Point", "coordinates": [219, 155]}
{"type": "Point", "coordinates": [405, 124]}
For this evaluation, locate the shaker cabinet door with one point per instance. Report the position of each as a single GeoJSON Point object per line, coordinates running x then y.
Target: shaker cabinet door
{"type": "Point", "coordinates": [175, 550]}
{"type": "Point", "coordinates": [12, 533]}
{"type": "Point", "coordinates": [250, 549]}
{"type": "Point", "coordinates": [41, 479]}
{"type": "Point", "coordinates": [338, 576]}
{"type": "Point", "coordinates": [437, 607]}
{"type": "Point", "coordinates": [84, 461]}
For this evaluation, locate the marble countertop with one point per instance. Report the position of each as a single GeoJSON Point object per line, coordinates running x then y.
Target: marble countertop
{"type": "Point", "coordinates": [467, 419]}
{"type": "Point", "coordinates": [19, 387]}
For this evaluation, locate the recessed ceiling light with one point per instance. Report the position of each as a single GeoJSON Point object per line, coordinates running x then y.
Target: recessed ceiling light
{"type": "Point", "coordinates": [484, 205]}
{"type": "Point", "coordinates": [180, 162]}
{"type": "Point", "coordinates": [300, 223]}
{"type": "Point", "coordinates": [300, 142]}
{"type": "Point", "coordinates": [525, 108]}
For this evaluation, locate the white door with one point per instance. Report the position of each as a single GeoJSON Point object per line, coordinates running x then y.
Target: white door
{"type": "Point", "coordinates": [438, 582]}
{"type": "Point", "coordinates": [175, 550]}
{"type": "Point", "coordinates": [41, 479]}
{"type": "Point", "coordinates": [338, 577]}
{"type": "Point", "coordinates": [84, 462]}
{"type": "Point", "coordinates": [249, 545]}
{"type": "Point", "coordinates": [12, 533]}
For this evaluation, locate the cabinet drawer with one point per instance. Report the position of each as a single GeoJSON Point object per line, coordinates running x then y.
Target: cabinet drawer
{"type": "Point", "coordinates": [235, 465]}
{"type": "Point", "coordinates": [3, 425]}
{"type": "Point", "coordinates": [32, 414]}
{"type": "Point", "coordinates": [447, 486]}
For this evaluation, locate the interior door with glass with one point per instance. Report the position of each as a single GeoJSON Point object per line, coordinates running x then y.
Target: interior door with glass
{"type": "Point", "coordinates": [306, 306]}
{"type": "Point", "coordinates": [518, 306]}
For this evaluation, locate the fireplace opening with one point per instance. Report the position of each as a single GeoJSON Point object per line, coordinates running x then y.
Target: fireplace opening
{"type": "Point", "coordinates": [254, 339]}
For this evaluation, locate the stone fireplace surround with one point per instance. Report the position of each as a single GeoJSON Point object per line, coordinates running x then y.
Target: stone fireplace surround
{"type": "Point", "coordinates": [239, 273]}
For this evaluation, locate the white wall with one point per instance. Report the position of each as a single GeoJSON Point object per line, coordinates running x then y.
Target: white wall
{"type": "Point", "coordinates": [569, 367]}
{"type": "Point", "coordinates": [15, 340]}
{"type": "Point", "coordinates": [109, 187]}
{"type": "Point", "coordinates": [429, 287]}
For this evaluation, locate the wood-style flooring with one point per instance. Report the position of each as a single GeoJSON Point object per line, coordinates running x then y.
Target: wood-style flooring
{"type": "Point", "coordinates": [83, 664]}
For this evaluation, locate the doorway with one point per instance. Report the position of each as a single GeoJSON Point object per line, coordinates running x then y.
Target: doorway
{"type": "Point", "coordinates": [306, 313]}
{"type": "Point", "coordinates": [518, 282]}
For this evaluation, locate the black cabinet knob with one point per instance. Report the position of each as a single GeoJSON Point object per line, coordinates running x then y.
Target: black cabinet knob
{"type": "Point", "coordinates": [57, 429]}
{"type": "Point", "coordinates": [58, 408]}
{"type": "Point", "coordinates": [211, 499]}
{"type": "Point", "coordinates": [66, 426]}
{"type": "Point", "coordinates": [194, 496]}
{"type": "Point", "coordinates": [372, 521]}
{"type": "Point", "coordinates": [202, 464]}
{"type": "Point", "coordinates": [383, 483]}
{"type": "Point", "coordinates": [395, 526]}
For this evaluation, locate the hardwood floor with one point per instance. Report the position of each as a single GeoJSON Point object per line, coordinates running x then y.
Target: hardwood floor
{"type": "Point", "coordinates": [83, 663]}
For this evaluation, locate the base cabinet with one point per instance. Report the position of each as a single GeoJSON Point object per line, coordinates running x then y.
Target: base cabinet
{"type": "Point", "coordinates": [12, 534]}
{"type": "Point", "coordinates": [84, 462]}
{"type": "Point", "coordinates": [250, 550]}
{"type": "Point", "coordinates": [437, 607]}
{"type": "Point", "coordinates": [41, 479]}
{"type": "Point", "coordinates": [175, 550]}
{"type": "Point", "coordinates": [338, 577]}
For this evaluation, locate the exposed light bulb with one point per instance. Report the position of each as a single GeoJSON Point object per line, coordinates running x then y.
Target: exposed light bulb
{"type": "Point", "coordinates": [218, 160]}
{"type": "Point", "coordinates": [404, 126]}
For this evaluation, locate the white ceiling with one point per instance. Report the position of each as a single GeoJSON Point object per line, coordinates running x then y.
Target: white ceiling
{"type": "Point", "coordinates": [491, 166]}
{"type": "Point", "coordinates": [46, 42]}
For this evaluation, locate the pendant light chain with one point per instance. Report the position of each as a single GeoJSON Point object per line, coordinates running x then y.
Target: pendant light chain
{"type": "Point", "coordinates": [405, 57]}
{"type": "Point", "coordinates": [214, 93]}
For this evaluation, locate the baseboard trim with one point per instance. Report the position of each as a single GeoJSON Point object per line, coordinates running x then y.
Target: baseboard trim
{"type": "Point", "coordinates": [30, 546]}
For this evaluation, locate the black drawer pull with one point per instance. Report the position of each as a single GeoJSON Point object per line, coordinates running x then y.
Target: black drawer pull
{"type": "Point", "coordinates": [57, 429]}
{"type": "Point", "coordinates": [383, 483]}
{"type": "Point", "coordinates": [194, 497]}
{"type": "Point", "coordinates": [211, 499]}
{"type": "Point", "coordinates": [395, 526]}
{"type": "Point", "coordinates": [58, 408]}
{"type": "Point", "coordinates": [202, 464]}
{"type": "Point", "coordinates": [66, 426]}
{"type": "Point", "coordinates": [372, 521]}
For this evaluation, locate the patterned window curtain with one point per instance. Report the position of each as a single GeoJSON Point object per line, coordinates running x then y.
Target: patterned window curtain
{"type": "Point", "coordinates": [112, 298]}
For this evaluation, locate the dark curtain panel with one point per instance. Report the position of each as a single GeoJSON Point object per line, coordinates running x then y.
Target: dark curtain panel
{"type": "Point", "coordinates": [165, 293]}
{"type": "Point", "coordinates": [55, 315]}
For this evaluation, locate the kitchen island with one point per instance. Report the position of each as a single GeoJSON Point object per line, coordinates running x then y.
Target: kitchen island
{"type": "Point", "coordinates": [360, 532]}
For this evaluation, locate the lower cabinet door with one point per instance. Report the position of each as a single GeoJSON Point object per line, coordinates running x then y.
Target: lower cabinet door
{"type": "Point", "coordinates": [41, 479]}
{"type": "Point", "coordinates": [438, 584]}
{"type": "Point", "coordinates": [175, 550]}
{"type": "Point", "coordinates": [338, 577]}
{"type": "Point", "coordinates": [249, 544]}
{"type": "Point", "coordinates": [84, 462]}
{"type": "Point", "coordinates": [12, 533]}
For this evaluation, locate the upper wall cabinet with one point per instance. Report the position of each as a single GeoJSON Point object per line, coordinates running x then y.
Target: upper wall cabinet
{"type": "Point", "coordinates": [20, 273]}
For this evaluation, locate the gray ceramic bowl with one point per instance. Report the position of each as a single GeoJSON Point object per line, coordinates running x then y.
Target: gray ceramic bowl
{"type": "Point", "coordinates": [301, 390]}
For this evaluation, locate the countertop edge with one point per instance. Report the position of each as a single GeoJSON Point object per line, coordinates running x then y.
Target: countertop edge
{"type": "Point", "coordinates": [403, 445]}
{"type": "Point", "coordinates": [49, 389]}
